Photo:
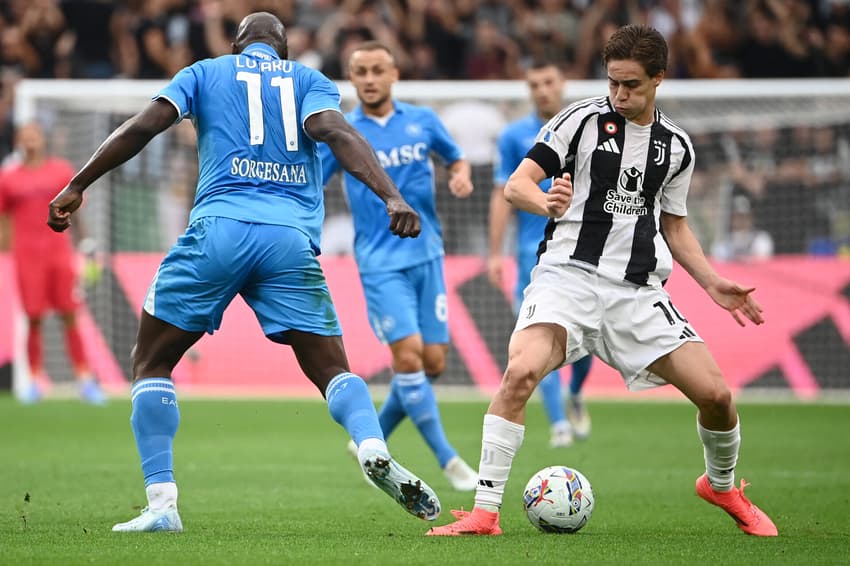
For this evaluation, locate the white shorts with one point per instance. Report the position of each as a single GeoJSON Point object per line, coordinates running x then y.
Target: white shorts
{"type": "Point", "coordinates": [626, 326]}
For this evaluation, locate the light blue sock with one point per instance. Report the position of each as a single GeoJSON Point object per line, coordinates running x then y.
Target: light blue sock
{"type": "Point", "coordinates": [550, 392]}
{"type": "Point", "coordinates": [154, 419]}
{"type": "Point", "coordinates": [351, 406]}
{"type": "Point", "coordinates": [580, 370]}
{"type": "Point", "coordinates": [392, 411]}
{"type": "Point", "coordinates": [417, 398]}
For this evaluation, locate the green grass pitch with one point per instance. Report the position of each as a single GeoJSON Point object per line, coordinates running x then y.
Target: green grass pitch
{"type": "Point", "coordinates": [270, 482]}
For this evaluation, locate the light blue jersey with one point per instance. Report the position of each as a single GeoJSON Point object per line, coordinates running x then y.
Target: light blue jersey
{"type": "Point", "coordinates": [513, 144]}
{"type": "Point", "coordinates": [403, 145]}
{"type": "Point", "coordinates": [256, 162]}
{"type": "Point", "coordinates": [256, 223]}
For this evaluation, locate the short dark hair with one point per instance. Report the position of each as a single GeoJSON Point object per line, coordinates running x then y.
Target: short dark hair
{"type": "Point", "coordinates": [639, 43]}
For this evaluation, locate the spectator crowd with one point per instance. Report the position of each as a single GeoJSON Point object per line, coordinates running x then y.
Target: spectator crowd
{"type": "Point", "coordinates": [432, 39]}
{"type": "Point", "coordinates": [492, 39]}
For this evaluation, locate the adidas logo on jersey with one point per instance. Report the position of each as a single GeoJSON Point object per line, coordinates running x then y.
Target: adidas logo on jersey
{"type": "Point", "coordinates": [608, 145]}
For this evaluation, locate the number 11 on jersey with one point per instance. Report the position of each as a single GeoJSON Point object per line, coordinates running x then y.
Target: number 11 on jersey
{"type": "Point", "coordinates": [256, 125]}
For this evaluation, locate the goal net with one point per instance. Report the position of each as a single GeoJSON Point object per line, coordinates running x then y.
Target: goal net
{"type": "Point", "coordinates": [770, 201]}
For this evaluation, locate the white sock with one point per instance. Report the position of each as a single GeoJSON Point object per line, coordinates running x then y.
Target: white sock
{"type": "Point", "coordinates": [721, 455]}
{"type": "Point", "coordinates": [499, 444]}
{"type": "Point", "coordinates": [369, 446]}
{"type": "Point", "coordinates": [161, 496]}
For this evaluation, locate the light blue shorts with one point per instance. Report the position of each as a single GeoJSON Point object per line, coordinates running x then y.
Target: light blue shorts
{"type": "Point", "coordinates": [273, 267]}
{"type": "Point", "coordinates": [407, 302]}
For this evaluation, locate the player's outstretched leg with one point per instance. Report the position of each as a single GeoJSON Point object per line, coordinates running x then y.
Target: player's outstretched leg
{"type": "Point", "coordinates": [351, 406]}
{"type": "Point", "coordinates": [576, 409]}
{"type": "Point", "coordinates": [155, 419]}
{"type": "Point", "coordinates": [413, 494]}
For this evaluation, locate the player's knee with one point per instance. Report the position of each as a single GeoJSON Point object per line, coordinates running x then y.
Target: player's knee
{"type": "Point", "coordinates": [407, 361]}
{"type": "Point", "coordinates": [718, 400]}
{"type": "Point", "coordinates": [435, 366]}
{"type": "Point", "coordinates": [520, 379]}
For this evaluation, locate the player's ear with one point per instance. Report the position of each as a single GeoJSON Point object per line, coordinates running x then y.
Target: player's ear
{"type": "Point", "coordinates": [659, 77]}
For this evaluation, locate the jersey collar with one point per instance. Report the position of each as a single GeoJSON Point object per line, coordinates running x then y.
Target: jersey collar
{"type": "Point", "coordinates": [261, 51]}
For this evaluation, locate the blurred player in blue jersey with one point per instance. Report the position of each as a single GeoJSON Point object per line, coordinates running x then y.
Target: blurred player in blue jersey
{"type": "Point", "coordinates": [254, 230]}
{"type": "Point", "coordinates": [546, 84]}
{"type": "Point", "coordinates": [403, 280]}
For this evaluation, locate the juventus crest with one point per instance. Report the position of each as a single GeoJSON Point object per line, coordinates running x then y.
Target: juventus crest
{"type": "Point", "coordinates": [660, 152]}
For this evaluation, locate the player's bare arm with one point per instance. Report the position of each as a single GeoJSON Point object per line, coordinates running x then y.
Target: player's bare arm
{"type": "Point", "coordinates": [687, 251]}
{"type": "Point", "coordinates": [460, 178]}
{"type": "Point", "coordinates": [500, 214]}
{"type": "Point", "coordinates": [523, 191]}
{"type": "Point", "coordinates": [121, 145]}
{"type": "Point", "coordinates": [355, 155]}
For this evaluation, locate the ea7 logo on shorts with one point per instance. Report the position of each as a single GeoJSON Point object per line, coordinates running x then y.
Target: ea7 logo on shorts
{"type": "Point", "coordinates": [631, 180]}
{"type": "Point", "coordinates": [529, 311]}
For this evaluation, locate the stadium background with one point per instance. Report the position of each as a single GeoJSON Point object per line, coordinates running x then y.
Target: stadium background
{"type": "Point", "coordinates": [778, 151]}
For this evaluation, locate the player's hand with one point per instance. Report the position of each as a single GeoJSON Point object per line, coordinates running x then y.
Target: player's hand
{"type": "Point", "coordinates": [737, 300]}
{"type": "Point", "coordinates": [560, 196]}
{"type": "Point", "coordinates": [61, 207]}
{"type": "Point", "coordinates": [494, 270]}
{"type": "Point", "coordinates": [460, 185]}
{"type": "Point", "coordinates": [404, 222]}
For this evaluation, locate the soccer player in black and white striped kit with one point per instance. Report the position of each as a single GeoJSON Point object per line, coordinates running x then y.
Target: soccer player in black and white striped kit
{"type": "Point", "coordinates": [621, 172]}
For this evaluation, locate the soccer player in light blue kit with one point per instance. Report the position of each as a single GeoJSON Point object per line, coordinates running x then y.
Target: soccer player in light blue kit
{"type": "Point", "coordinates": [403, 280]}
{"type": "Point", "coordinates": [546, 84]}
{"type": "Point", "coordinates": [254, 230]}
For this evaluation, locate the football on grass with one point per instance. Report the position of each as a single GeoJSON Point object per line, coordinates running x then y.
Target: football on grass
{"type": "Point", "coordinates": [558, 499]}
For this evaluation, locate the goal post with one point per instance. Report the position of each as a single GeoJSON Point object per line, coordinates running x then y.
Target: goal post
{"type": "Point", "coordinates": [775, 153]}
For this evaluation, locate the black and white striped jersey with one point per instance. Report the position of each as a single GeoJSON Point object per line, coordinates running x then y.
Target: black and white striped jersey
{"type": "Point", "coordinates": [623, 176]}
